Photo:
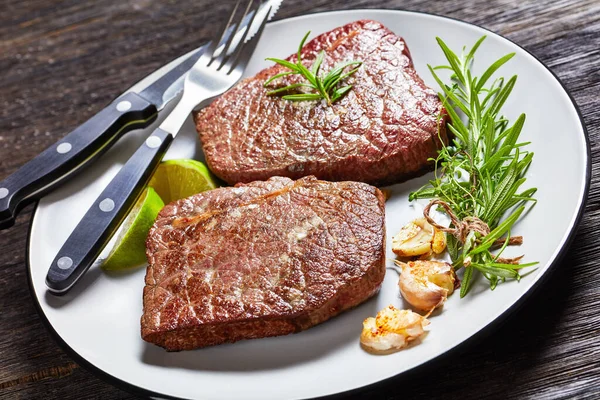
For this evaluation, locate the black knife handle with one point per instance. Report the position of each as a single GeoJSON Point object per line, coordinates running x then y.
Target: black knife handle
{"type": "Point", "coordinates": [104, 217]}
{"type": "Point", "coordinates": [82, 145]}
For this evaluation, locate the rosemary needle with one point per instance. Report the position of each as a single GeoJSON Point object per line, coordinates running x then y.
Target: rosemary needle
{"type": "Point", "coordinates": [320, 87]}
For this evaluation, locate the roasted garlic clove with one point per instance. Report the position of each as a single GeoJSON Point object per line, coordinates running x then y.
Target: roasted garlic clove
{"type": "Point", "coordinates": [426, 284]}
{"type": "Point", "coordinates": [418, 238]}
{"type": "Point", "coordinates": [438, 244]}
{"type": "Point", "coordinates": [391, 329]}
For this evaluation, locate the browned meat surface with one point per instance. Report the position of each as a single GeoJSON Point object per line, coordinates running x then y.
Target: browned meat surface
{"type": "Point", "coordinates": [261, 259]}
{"type": "Point", "coordinates": [382, 132]}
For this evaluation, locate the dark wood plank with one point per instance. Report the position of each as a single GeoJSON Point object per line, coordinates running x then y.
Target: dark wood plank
{"type": "Point", "coordinates": [63, 60]}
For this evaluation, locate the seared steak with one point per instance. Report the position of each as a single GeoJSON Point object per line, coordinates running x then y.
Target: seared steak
{"type": "Point", "coordinates": [383, 131]}
{"type": "Point", "coordinates": [261, 259]}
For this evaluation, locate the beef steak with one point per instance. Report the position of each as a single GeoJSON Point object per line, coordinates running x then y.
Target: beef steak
{"type": "Point", "coordinates": [261, 259]}
{"type": "Point", "coordinates": [383, 131]}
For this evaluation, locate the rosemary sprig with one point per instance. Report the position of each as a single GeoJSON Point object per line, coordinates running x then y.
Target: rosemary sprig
{"type": "Point", "coordinates": [480, 174]}
{"type": "Point", "coordinates": [323, 88]}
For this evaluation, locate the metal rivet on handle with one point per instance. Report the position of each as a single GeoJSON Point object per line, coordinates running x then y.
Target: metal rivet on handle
{"type": "Point", "coordinates": [153, 142]}
{"type": "Point", "coordinates": [64, 148]}
{"type": "Point", "coordinates": [64, 263]}
{"type": "Point", "coordinates": [123, 106]}
{"type": "Point", "coordinates": [107, 205]}
{"type": "Point", "coordinates": [3, 193]}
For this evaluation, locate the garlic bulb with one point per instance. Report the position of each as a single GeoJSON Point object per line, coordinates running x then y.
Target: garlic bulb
{"type": "Point", "coordinates": [426, 284]}
{"type": "Point", "coordinates": [418, 238]}
{"type": "Point", "coordinates": [392, 329]}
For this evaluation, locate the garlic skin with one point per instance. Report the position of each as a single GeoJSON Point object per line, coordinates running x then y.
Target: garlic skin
{"type": "Point", "coordinates": [426, 284]}
{"type": "Point", "coordinates": [391, 330]}
{"type": "Point", "coordinates": [418, 238]}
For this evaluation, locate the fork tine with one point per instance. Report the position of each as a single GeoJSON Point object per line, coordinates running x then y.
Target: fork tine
{"type": "Point", "coordinates": [244, 50]}
{"type": "Point", "coordinates": [223, 56]}
{"type": "Point", "coordinates": [223, 35]}
{"type": "Point", "coordinates": [241, 43]}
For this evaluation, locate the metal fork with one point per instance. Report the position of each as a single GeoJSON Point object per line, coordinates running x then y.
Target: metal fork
{"type": "Point", "coordinates": [217, 70]}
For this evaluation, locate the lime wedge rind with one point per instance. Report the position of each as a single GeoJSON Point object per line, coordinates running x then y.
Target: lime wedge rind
{"type": "Point", "coordinates": [129, 249]}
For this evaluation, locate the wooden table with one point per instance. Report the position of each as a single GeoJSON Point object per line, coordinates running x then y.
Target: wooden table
{"type": "Point", "coordinates": [62, 61]}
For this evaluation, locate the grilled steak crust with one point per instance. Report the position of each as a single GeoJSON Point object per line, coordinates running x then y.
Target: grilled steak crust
{"type": "Point", "coordinates": [261, 259]}
{"type": "Point", "coordinates": [383, 131]}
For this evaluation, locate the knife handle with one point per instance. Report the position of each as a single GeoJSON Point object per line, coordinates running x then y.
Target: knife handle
{"type": "Point", "coordinates": [78, 148]}
{"type": "Point", "coordinates": [107, 213]}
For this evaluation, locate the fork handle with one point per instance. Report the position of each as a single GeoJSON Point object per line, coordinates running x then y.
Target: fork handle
{"type": "Point", "coordinates": [106, 214]}
{"type": "Point", "coordinates": [78, 148]}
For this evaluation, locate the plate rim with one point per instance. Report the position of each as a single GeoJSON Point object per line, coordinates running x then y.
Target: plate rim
{"type": "Point", "coordinates": [470, 341]}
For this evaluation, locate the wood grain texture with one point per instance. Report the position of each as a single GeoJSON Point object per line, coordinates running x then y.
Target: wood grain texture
{"type": "Point", "coordinates": [64, 60]}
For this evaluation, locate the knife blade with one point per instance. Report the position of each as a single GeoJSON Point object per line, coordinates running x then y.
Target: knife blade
{"type": "Point", "coordinates": [89, 140]}
{"type": "Point", "coordinates": [108, 211]}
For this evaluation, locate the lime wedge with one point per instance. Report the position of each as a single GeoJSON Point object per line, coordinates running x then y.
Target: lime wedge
{"type": "Point", "coordinates": [173, 180]}
{"type": "Point", "coordinates": [130, 248]}
{"type": "Point", "coordinates": [178, 179]}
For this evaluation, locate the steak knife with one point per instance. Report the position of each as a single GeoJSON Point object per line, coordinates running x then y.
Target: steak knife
{"type": "Point", "coordinates": [216, 71]}
{"type": "Point", "coordinates": [88, 141]}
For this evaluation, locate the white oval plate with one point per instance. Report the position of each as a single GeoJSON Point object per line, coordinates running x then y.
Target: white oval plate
{"type": "Point", "coordinates": [99, 321]}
